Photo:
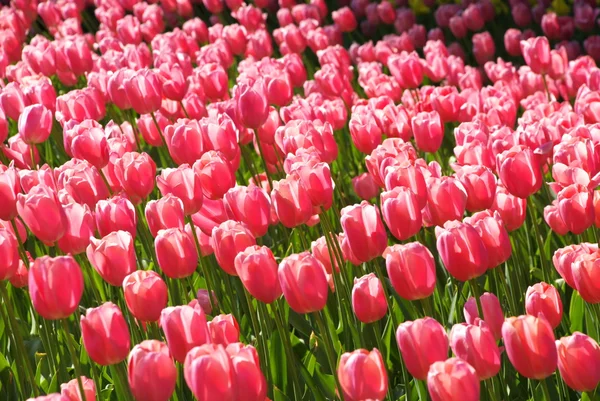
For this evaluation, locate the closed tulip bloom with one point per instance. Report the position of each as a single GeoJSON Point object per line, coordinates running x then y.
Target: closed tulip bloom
{"type": "Point", "coordinates": [80, 227]}
{"type": "Point", "coordinates": [135, 173]}
{"type": "Point", "coordinates": [316, 179]}
{"type": "Point", "coordinates": [543, 299]}
{"type": "Point", "coordinates": [401, 212]}
{"type": "Point", "coordinates": [480, 184]}
{"type": "Point", "coordinates": [183, 183]}
{"type": "Point", "coordinates": [229, 239]}
{"type": "Point", "coordinates": [249, 205]}
{"type": "Point", "coordinates": [257, 268]}
{"type": "Point", "coordinates": [368, 300]}
{"type": "Point", "coordinates": [529, 344]}
{"type": "Point", "coordinates": [216, 173]}
{"type": "Point", "coordinates": [411, 269]}
{"type": "Point", "coordinates": [483, 47]}
{"type": "Point", "coordinates": [564, 259]}
{"type": "Point", "coordinates": [421, 343]}
{"type": "Point", "coordinates": [164, 213]}
{"type": "Point", "coordinates": [366, 134]}
{"type": "Point", "coordinates": [185, 328]}
{"type": "Point", "coordinates": [320, 250]}
{"type": "Point", "coordinates": [579, 361]}
{"type": "Point", "coordinates": [42, 212]}
{"type": "Point", "coordinates": [250, 382]}
{"type": "Point", "coordinates": [476, 345]}
{"type": "Point", "coordinates": [407, 69]}
{"type": "Point", "coordinates": [453, 380]}
{"type": "Point", "coordinates": [72, 392]}
{"type": "Point", "coordinates": [365, 187]}
{"type": "Point", "coordinates": [585, 269]}
{"type": "Point", "coordinates": [91, 145]}
{"type": "Point", "coordinates": [519, 171]}
{"type": "Point", "coordinates": [151, 371]}
{"type": "Point", "coordinates": [493, 315]}
{"type": "Point", "coordinates": [303, 282]}
{"type": "Point", "coordinates": [176, 252]}
{"type": "Point", "coordinates": [446, 199]}
{"type": "Point", "coordinates": [512, 209]}
{"type": "Point", "coordinates": [251, 104]}
{"type": "Point", "coordinates": [362, 375]}
{"type": "Point", "coordinates": [576, 208]}
{"type": "Point", "coordinates": [428, 131]}
{"type": "Point", "coordinates": [55, 286]}
{"type": "Point", "coordinates": [291, 202]}
{"type": "Point", "coordinates": [462, 250]}
{"type": "Point", "coordinates": [364, 231]}
{"type": "Point", "coordinates": [145, 295]}
{"type": "Point", "coordinates": [494, 235]}
{"type": "Point", "coordinates": [20, 278]}
{"type": "Point", "coordinates": [113, 256]}
{"type": "Point", "coordinates": [105, 334]}
{"type": "Point", "coordinates": [9, 188]}
{"type": "Point", "coordinates": [536, 52]}
{"type": "Point", "coordinates": [144, 91]}
{"type": "Point", "coordinates": [35, 124]}
{"type": "Point", "coordinates": [224, 330]}
{"type": "Point", "coordinates": [114, 214]}
{"type": "Point", "coordinates": [209, 373]}
{"type": "Point", "coordinates": [9, 254]}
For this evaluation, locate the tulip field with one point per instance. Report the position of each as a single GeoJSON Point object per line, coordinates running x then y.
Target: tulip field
{"type": "Point", "coordinates": [286, 200]}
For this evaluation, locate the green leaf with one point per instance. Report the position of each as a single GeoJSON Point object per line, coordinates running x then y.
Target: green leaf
{"type": "Point", "coordinates": [576, 312]}
{"type": "Point", "coordinates": [277, 362]}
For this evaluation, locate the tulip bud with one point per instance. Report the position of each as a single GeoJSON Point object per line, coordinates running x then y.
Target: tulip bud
{"type": "Point", "coordinates": [91, 145]}
{"type": "Point", "coordinates": [453, 379]}
{"type": "Point", "coordinates": [364, 231]}
{"type": "Point", "coordinates": [209, 373]}
{"type": "Point", "coordinates": [185, 328]}
{"type": "Point", "coordinates": [422, 342]}
{"type": "Point", "coordinates": [55, 286]}
{"type": "Point", "coordinates": [135, 173]}
{"type": "Point", "coordinates": [368, 300]}
{"type": "Point", "coordinates": [224, 330]}
{"type": "Point", "coordinates": [80, 228]}
{"type": "Point", "coordinates": [536, 52]}
{"type": "Point", "coordinates": [476, 345]}
{"type": "Point", "coordinates": [114, 214]}
{"type": "Point", "coordinates": [411, 269]}
{"type": "Point", "coordinates": [446, 199]}
{"type": "Point", "coordinates": [249, 205]}
{"type": "Point", "coordinates": [401, 212]}
{"type": "Point", "coordinates": [529, 344]}
{"type": "Point", "coordinates": [494, 236]}
{"type": "Point", "coordinates": [71, 390]}
{"type": "Point", "coordinates": [9, 189]}
{"type": "Point", "coordinates": [428, 131]}
{"type": "Point", "coordinates": [362, 375]}
{"type": "Point", "coordinates": [462, 250]}
{"type": "Point", "coordinates": [183, 183]}
{"type": "Point", "coordinates": [176, 252]}
{"type": "Point", "coordinates": [245, 363]}
{"type": "Point", "coordinates": [483, 47]}
{"type": "Point", "coordinates": [365, 187]}
{"type": "Point", "coordinates": [519, 171]}
{"type": "Point", "coordinates": [105, 334]}
{"type": "Point", "coordinates": [511, 208]}
{"type": "Point", "coordinates": [543, 299]}
{"type": "Point", "coordinates": [151, 372]}
{"type": "Point", "coordinates": [575, 206]}
{"type": "Point", "coordinates": [144, 91]}
{"type": "Point", "coordinates": [164, 213]}
{"type": "Point", "coordinates": [578, 361]}
{"type": "Point", "coordinates": [251, 104]}
{"type": "Point", "coordinates": [145, 295]}
{"type": "Point", "coordinates": [295, 273]}
{"type": "Point", "coordinates": [480, 184]}
{"type": "Point", "coordinates": [493, 315]}
{"type": "Point", "coordinates": [216, 173]}
{"type": "Point", "coordinates": [113, 256]}
{"type": "Point", "coordinates": [316, 179]}
{"type": "Point", "coordinates": [42, 212]}
{"type": "Point", "coordinates": [35, 124]}
{"type": "Point", "coordinates": [291, 202]}
{"type": "Point", "coordinates": [257, 268]}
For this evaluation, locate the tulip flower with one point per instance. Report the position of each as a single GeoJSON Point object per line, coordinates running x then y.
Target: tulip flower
{"type": "Point", "coordinates": [578, 357]}
{"type": "Point", "coordinates": [453, 379]}
{"type": "Point", "coordinates": [72, 392]}
{"type": "Point", "coordinates": [411, 269]}
{"type": "Point", "coordinates": [462, 250]}
{"type": "Point", "coordinates": [151, 371]}
{"type": "Point", "coordinates": [42, 212]}
{"type": "Point", "coordinates": [476, 345]}
{"type": "Point", "coordinates": [364, 231]}
{"type": "Point", "coordinates": [303, 282]}
{"type": "Point", "coordinates": [145, 295]}
{"type": "Point", "coordinates": [105, 334]}
{"type": "Point", "coordinates": [368, 299]}
{"type": "Point", "coordinates": [257, 268]}
{"type": "Point", "coordinates": [362, 375]}
{"type": "Point", "coordinates": [224, 330]}
{"type": "Point", "coordinates": [113, 256]}
{"type": "Point", "coordinates": [185, 328]}
{"type": "Point", "coordinates": [176, 252]}
{"type": "Point", "coordinates": [209, 373]}
{"type": "Point", "coordinates": [543, 299]}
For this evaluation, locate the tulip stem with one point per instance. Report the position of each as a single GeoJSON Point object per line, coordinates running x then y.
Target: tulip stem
{"type": "Point", "coordinates": [329, 350]}
{"type": "Point", "coordinates": [475, 290]}
{"type": "Point", "coordinates": [69, 340]}
{"type": "Point", "coordinates": [19, 344]}
{"type": "Point", "coordinates": [287, 348]}
{"type": "Point", "coordinates": [546, 88]}
{"type": "Point", "coordinates": [207, 278]}
{"type": "Point", "coordinates": [110, 192]}
{"type": "Point", "coordinates": [538, 238]}
{"type": "Point", "coordinates": [22, 252]}
{"type": "Point", "coordinates": [378, 336]}
{"type": "Point", "coordinates": [15, 352]}
{"type": "Point", "coordinates": [262, 157]}
{"type": "Point", "coordinates": [545, 389]}
{"type": "Point", "coordinates": [162, 137]}
{"type": "Point", "coordinates": [260, 338]}
{"type": "Point", "coordinates": [32, 153]}
{"type": "Point", "coordinates": [184, 110]}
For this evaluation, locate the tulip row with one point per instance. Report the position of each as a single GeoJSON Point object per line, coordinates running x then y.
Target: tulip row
{"type": "Point", "coordinates": [259, 204]}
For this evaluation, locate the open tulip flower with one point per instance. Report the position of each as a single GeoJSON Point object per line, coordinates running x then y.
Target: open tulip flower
{"type": "Point", "coordinates": [268, 200]}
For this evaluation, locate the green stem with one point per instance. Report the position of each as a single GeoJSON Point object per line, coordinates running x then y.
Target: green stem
{"type": "Point", "coordinates": [260, 338]}
{"type": "Point", "coordinates": [329, 350]}
{"type": "Point", "coordinates": [538, 238]}
{"type": "Point", "coordinates": [378, 336]}
{"type": "Point", "coordinates": [205, 272]}
{"type": "Point", "coordinates": [475, 290]}
{"type": "Point", "coordinates": [545, 389]}
{"type": "Point", "coordinates": [279, 322]}
{"type": "Point", "coordinates": [78, 372]}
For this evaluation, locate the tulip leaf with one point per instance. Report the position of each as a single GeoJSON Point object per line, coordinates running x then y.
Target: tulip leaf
{"type": "Point", "coordinates": [277, 363]}
{"type": "Point", "coordinates": [576, 309]}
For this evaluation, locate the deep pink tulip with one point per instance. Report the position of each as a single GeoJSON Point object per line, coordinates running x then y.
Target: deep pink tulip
{"type": "Point", "coordinates": [422, 342]}
{"type": "Point", "coordinates": [564, 259]}
{"type": "Point", "coordinates": [164, 213]}
{"type": "Point", "coordinates": [211, 214]}
{"type": "Point", "coordinates": [9, 253]}
{"type": "Point", "coordinates": [362, 375]}
{"type": "Point", "coordinates": [176, 252]}
{"type": "Point", "coordinates": [209, 373]}
{"type": "Point", "coordinates": [230, 238]}
{"type": "Point", "coordinates": [576, 208]}
{"type": "Point", "coordinates": [80, 228]}
{"type": "Point", "coordinates": [9, 188]}
{"type": "Point", "coordinates": [42, 212]}
{"type": "Point", "coordinates": [512, 209]}
{"type": "Point", "coordinates": [364, 186]}
{"type": "Point", "coordinates": [491, 229]}
{"type": "Point", "coordinates": [135, 173]}
{"type": "Point", "coordinates": [144, 91]}
{"type": "Point", "coordinates": [407, 69]}
{"type": "Point", "coordinates": [151, 371]}
{"type": "Point", "coordinates": [578, 361]}
{"type": "Point", "coordinates": [584, 270]}
{"type": "Point", "coordinates": [105, 334]}
{"type": "Point", "coordinates": [344, 19]}
{"type": "Point", "coordinates": [35, 124]}
{"type": "Point", "coordinates": [252, 107]}
{"type": "Point", "coordinates": [114, 214]}
{"type": "Point", "coordinates": [184, 140]}
{"type": "Point", "coordinates": [453, 379]}
{"type": "Point", "coordinates": [113, 256]}
{"type": "Point", "coordinates": [536, 52]}
{"type": "Point", "coordinates": [316, 179]}
{"type": "Point", "coordinates": [476, 345]}
{"type": "Point", "coordinates": [401, 212]}
{"type": "Point", "coordinates": [291, 202]}
{"type": "Point", "coordinates": [185, 328]}
{"type": "Point", "coordinates": [216, 173]}
{"type": "Point", "coordinates": [446, 199]}
{"type": "Point", "coordinates": [92, 146]}
{"type": "Point", "coordinates": [483, 47]}
{"type": "Point", "coordinates": [55, 286]}
{"type": "Point", "coordinates": [249, 205]}
{"type": "Point", "coordinates": [462, 250]}
{"type": "Point", "coordinates": [529, 344]}
{"type": "Point", "coordinates": [428, 131]}
{"type": "Point", "coordinates": [411, 269]}
{"type": "Point", "coordinates": [368, 300]}
{"type": "Point", "coordinates": [71, 391]}
{"type": "Point", "coordinates": [183, 183]}
{"type": "Point", "coordinates": [364, 231]}
{"type": "Point", "coordinates": [145, 295]}
{"type": "Point", "coordinates": [543, 299]}
{"type": "Point", "coordinates": [493, 315]}
{"type": "Point", "coordinates": [224, 330]}
{"type": "Point", "coordinates": [519, 171]}
{"type": "Point", "coordinates": [250, 382]}
{"type": "Point", "coordinates": [480, 184]}
{"type": "Point", "coordinates": [257, 269]}
{"type": "Point", "coordinates": [303, 282]}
